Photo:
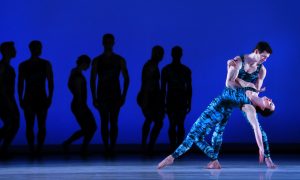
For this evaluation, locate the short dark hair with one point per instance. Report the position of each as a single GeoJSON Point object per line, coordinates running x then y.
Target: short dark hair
{"type": "Point", "coordinates": [5, 46]}
{"type": "Point", "coordinates": [34, 44]}
{"type": "Point", "coordinates": [83, 59]}
{"type": "Point", "coordinates": [157, 48]}
{"type": "Point", "coordinates": [176, 51]}
{"type": "Point", "coordinates": [263, 46]}
{"type": "Point", "coordinates": [108, 36]}
{"type": "Point", "coordinates": [265, 113]}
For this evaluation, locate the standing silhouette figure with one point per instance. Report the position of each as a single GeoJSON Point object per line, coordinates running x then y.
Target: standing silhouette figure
{"type": "Point", "coordinates": [83, 115]}
{"type": "Point", "coordinates": [177, 92]}
{"type": "Point", "coordinates": [107, 97]}
{"type": "Point", "coordinates": [150, 99]}
{"type": "Point", "coordinates": [34, 101]}
{"type": "Point", "coordinates": [9, 112]}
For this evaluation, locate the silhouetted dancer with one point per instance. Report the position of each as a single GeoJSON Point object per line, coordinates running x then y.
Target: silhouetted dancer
{"type": "Point", "coordinates": [107, 97]}
{"type": "Point", "coordinates": [150, 99]}
{"type": "Point", "coordinates": [83, 115]}
{"type": "Point", "coordinates": [34, 101]}
{"type": "Point", "coordinates": [9, 112]}
{"type": "Point", "coordinates": [177, 92]}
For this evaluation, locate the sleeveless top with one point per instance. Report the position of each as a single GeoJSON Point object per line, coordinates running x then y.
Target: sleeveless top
{"type": "Point", "coordinates": [248, 77]}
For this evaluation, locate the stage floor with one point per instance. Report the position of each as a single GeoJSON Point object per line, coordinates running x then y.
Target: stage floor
{"type": "Point", "coordinates": [138, 167]}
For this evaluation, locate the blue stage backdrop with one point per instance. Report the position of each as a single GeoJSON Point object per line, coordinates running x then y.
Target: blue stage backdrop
{"type": "Point", "coordinates": [210, 32]}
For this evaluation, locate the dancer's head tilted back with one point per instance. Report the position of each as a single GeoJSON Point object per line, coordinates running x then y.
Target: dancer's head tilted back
{"type": "Point", "coordinates": [263, 105]}
{"type": "Point", "coordinates": [267, 108]}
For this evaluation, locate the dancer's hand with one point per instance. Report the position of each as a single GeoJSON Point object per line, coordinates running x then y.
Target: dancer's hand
{"type": "Point", "coordinates": [262, 89]}
{"type": "Point", "coordinates": [234, 61]}
{"type": "Point", "coordinates": [189, 108]}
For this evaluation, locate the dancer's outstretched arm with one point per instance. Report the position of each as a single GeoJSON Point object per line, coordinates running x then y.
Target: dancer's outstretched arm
{"type": "Point", "coordinates": [251, 116]}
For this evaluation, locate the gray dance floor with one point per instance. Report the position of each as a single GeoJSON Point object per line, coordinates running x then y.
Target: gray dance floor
{"type": "Point", "coordinates": [138, 167]}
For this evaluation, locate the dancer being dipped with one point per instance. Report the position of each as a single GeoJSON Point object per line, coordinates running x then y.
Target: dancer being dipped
{"type": "Point", "coordinates": [84, 116]}
{"type": "Point", "coordinates": [218, 109]}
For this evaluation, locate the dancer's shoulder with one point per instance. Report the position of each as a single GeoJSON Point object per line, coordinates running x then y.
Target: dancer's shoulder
{"type": "Point", "coordinates": [235, 62]}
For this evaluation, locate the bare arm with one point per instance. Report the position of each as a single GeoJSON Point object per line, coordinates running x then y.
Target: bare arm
{"type": "Point", "coordinates": [93, 79]}
{"type": "Point", "coordinates": [2, 93]}
{"type": "Point", "coordinates": [189, 90]}
{"type": "Point", "coordinates": [261, 76]}
{"type": "Point", "coordinates": [251, 116]}
{"type": "Point", "coordinates": [164, 84]}
{"type": "Point", "coordinates": [50, 81]}
{"type": "Point", "coordinates": [78, 90]}
{"type": "Point", "coordinates": [233, 67]}
{"type": "Point", "coordinates": [20, 84]}
{"type": "Point", "coordinates": [126, 79]}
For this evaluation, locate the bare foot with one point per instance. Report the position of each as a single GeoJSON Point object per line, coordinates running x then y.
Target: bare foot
{"type": "Point", "coordinates": [213, 165]}
{"type": "Point", "coordinates": [209, 164]}
{"type": "Point", "coordinates": [167, 161]}
{"type": "Point", "coordinates": [270, 163]}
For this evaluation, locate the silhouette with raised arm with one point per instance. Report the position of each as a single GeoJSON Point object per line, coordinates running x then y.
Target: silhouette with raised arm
{"type": "Point", "coordinates": [107, 97]}
{"type": "Point", "coordinates": [83, 115]}
{"type": "Point", "coordinates": [150, 99]}
{"type": "Point", "coordinates": [177, 91]}
{"type": "Point", "coordinates": [9, 112]}
{"type": "Point", "coordinates": [34, 100]}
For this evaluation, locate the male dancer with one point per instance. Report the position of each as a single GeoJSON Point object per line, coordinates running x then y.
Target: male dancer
{"type": "Point", "coordinates": [9, 112]}
{"type": "Point", "coordinates": [107, 97]}
{"type": "Point", "coordinates": [219, 108]}
{"type": "Point", "coordinates": [176, 85]}
{"type": "Point", "coordinates": [35, 102]}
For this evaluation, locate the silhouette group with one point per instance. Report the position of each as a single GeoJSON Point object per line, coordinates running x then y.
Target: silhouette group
{"type": "Point", "coordinates": [168, 92]}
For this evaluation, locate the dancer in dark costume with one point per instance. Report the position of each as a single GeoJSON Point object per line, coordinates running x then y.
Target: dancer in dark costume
{"type": "Point", "coordinates": [150, 99]}
{"type": "Point", "coordinates": [176, 85]}
{"type": "Point", "coordinates": [82, 113]}
{"type": "Point", "coordinates": [107, 97]}
{"type": "Point", "coordinates": [34, 101]}
{"type": "Point", "coordinates": [9, 112]}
